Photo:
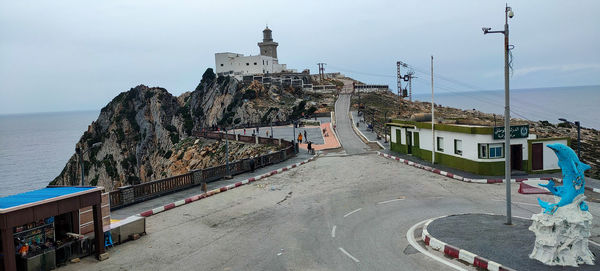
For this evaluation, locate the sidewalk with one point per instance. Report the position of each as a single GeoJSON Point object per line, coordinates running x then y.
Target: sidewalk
{"type": "Point", "coordinates": [370, 135]}
{"type": "Point", "coordinates": [166, 199]}
{"type": "Point", "coordinates": [484, 241]}
{"type": "Point", "coordinates": [331, 141]}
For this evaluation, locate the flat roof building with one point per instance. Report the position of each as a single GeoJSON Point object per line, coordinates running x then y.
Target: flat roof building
{"type": "Point", "coordinates": [238, 65]}
{"type": "Point", "coordinates": [475, 149]}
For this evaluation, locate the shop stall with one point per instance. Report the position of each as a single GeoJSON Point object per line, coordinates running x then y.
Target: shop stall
{"type": "Point", "coordinates": [40, 229]}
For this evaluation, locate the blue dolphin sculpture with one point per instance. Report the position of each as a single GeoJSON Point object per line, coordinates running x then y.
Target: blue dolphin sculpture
{"type": "Point", "coordinates": [573, 179]}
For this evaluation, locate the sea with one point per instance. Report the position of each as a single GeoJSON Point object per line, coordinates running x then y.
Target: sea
{"type": "Point", "coordinates": [34, 148]}
{"type": "Point", "coordinates": [581, 103]}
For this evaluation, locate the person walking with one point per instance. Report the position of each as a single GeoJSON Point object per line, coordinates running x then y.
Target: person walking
{"type": "Point", "coordinates": [305, 137]}
{"type": "Point", "coordinates": [300, 137]}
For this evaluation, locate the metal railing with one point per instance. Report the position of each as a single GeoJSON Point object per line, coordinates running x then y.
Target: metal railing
{"type": "Point", "coordinates": [132, 194]}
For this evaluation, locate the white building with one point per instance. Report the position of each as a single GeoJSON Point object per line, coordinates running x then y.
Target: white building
{"type": "Point", "coordinates": [238, 65]}
{"type": "Point", "coordinates": [476, 149]}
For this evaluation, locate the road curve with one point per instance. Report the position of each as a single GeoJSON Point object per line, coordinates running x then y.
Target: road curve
{"type": "Point", "coordinates": [348, 138]}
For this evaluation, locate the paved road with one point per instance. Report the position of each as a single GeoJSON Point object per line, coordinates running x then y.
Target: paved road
{"type": "Point", "coordinates": [340, 212]}
{"type": "Point", "coordinates": [336, 213]}
{"type": "Point", "coordinates": [349, 140]}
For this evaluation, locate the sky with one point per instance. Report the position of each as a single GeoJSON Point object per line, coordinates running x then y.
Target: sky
{"type": "Point", "coordinates": [78, 55]}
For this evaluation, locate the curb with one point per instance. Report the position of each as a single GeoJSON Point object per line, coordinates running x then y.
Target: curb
{"type": "Point", "coordinates": [360, 133]}
{"type": "Point", "coordinates": [458, 253]}
{"type": "Point", "coordinates": [221, 189]}
{"type": "Point", "coordinates": [458, 177]}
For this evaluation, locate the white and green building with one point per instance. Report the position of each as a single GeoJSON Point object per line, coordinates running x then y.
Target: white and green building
{"type": "Point", "coordinates": [476, 149]}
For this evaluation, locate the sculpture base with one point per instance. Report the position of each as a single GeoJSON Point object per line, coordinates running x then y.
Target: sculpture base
{"type": "Point", "coordinates": [562, 238]}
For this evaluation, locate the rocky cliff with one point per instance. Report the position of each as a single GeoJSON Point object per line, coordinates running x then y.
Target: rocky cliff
{"type": "Point", "coordinates": [146, 132]}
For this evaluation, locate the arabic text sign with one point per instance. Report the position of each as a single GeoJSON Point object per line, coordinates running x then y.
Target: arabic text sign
{"type": "Point", "coordinates": [518, 131]}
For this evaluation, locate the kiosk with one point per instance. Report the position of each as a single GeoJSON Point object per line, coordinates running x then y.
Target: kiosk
{"type": "Point", "coordinates": [40, 227]}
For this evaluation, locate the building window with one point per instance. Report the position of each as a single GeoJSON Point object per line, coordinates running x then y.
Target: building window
{"type": "Point", "coordinates": [247, 64]}
{"type": "Point", "coordinates": [440, 143]}
{"type": "Point", "coordinates": [491, 151]}
{"type": "Point", "coordinates": [221, 64]}
{"type": "Point", "coordinates": [458, 147]}
{"type": "Point", "coordinates": [254, 63]}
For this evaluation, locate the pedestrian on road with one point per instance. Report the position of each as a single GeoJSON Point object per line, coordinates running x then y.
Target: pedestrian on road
{"type": "Point", "coordinates": [244, 131]}
{"type": "Point", "coordinates": [305, 137]}
{"type": "Point", "coordinates": [267, 133]}
{"type": "Point", "coordinates": [252, 163]}
{"type": "Point", "coordinates": [300, 137]}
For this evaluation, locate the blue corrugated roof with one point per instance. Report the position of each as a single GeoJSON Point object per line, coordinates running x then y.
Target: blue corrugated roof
{"type": "Point", "coordinates": [38, 195]}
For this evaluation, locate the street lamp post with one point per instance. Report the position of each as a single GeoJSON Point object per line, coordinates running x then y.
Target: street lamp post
{"type": "Point", "coordinates": [385, 129]}
{"type": "Point", "coordinates": [226, 152]}
{"type": "Point", "coordinates": [508, 13]}
{"type": "Point", "coordinates": [80, 158]}
{"type": "Point", "coordinates": [576, 123]}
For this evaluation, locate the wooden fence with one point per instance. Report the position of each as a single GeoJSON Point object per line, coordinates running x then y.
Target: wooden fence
{"type": "Point", "coordinates": [132, 194]}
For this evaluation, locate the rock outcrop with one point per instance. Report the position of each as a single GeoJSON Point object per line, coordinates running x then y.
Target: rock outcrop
{"type": "Point", "coordinates": [145, 132]}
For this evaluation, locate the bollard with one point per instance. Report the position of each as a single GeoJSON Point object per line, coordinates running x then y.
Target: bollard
{"type": "Point", "coordinates": [204, 187]}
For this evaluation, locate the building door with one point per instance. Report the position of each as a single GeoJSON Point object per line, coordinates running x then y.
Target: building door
{"type": "Point", "coordinates": [537, 156]}
{"type": "Point", "coordinates": [516, 157]}
{"type": "Point", "coordinates": [409, 142]}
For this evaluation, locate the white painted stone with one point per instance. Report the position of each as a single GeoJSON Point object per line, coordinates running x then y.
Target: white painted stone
{"type": "Point", "coordinates": [562, 238]}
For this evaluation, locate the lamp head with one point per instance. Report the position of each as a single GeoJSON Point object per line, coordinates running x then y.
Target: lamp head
{"type": "Point", "coordinates": [510, 12]}
{"type": "Point", "coordinates": [486, 29]}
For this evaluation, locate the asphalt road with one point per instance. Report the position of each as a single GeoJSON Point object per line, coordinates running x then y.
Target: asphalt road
{"type": "Point", "coordinates": [349, 140]}
{"type": "Point", "coordinates": [339, 212]}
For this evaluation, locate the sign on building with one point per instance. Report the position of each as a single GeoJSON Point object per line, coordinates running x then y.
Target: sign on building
{"type": "Point", "coordinates": [518, 131]}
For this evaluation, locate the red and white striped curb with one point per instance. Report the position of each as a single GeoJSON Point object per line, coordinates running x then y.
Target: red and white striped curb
{"type": "Point", "coordinates": [460, 254]}
{"type": "Point", "coordinates": [221, 189]}
{"type": "Point", "coordinates": [454, 176]}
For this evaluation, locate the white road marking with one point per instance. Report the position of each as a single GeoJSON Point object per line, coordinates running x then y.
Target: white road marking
{"type": "Point", "coordinates": [392, 200]}
{"type": "Point", "coordinates": [410, 236]}
{"type": "Point", "coordinates": [333, 231]}
{"type": "Point", "coordinates": [352, 212]}
{"type": "Point", "coordinates": [349, 255]}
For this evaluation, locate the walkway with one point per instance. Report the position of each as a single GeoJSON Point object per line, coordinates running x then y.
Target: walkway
{"type": "Point", "coordinates": [329, 137]}
{"type": "Point", "coordinates": [166, 199]}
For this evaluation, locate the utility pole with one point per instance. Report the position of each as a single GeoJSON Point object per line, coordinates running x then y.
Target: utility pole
{"type": "Point", "coordinates": [410, 77]}
{"type": "Point", "coordinates": [432, 118]}
{"type": "Point", "coordinates": [507, 167]}
{"type": "Point", "coordinates": [321, 70]}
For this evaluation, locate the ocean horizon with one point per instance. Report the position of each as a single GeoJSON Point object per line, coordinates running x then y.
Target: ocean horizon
{"type": "Point", "coordinates": [34, 147]}
{"type": "Point", "coordinates": [575, 103]}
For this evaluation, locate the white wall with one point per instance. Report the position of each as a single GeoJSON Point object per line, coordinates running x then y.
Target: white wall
{"type": "Point", "coordinates": [244, 65]}
{"type": "Point", "coordinates": [469, 143]}
{"type": "Point", "coordinates": [550, 159]}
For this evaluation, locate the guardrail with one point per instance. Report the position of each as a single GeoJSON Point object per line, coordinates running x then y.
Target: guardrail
{"type": "Point", "coordinates": [132, 194]}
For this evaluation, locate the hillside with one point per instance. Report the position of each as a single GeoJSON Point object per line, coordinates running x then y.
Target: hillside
{"type": "Point", "coordinates": [147, 133]}
{"type": "Point", "coordinates": [376, 104]}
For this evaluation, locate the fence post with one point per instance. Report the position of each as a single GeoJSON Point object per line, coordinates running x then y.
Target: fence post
{"type": "Point", "coordinates": [280, 142]}
{"type": "Point", "coordinates": [197, 177]}
{"type": "Point", "coordinates": [284, 154]}
{"type": "Point", "coordinates": [236, 137]}
{"type": "Point", "coordinates": [256, 139]}
{"type": "Point", "coordinates": [127, 195]}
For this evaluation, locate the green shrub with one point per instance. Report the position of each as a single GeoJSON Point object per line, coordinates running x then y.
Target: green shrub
{"type": "Point", "coordinates": [174, 138]}
{"type": "Point", "coordinates": [249, 94]}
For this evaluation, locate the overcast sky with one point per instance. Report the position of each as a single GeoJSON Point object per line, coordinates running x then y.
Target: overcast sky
{"type": "Point", "coordinates": [77, 55]}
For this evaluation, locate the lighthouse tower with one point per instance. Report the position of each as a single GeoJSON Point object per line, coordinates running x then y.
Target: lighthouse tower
{"type": "Point", "coordinates": [268, 47]}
